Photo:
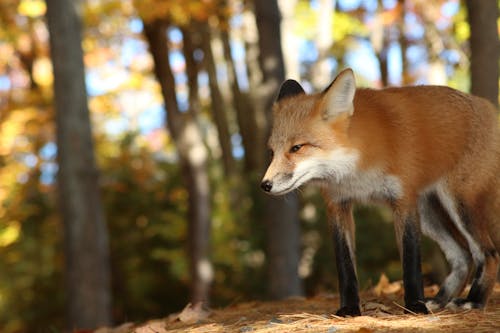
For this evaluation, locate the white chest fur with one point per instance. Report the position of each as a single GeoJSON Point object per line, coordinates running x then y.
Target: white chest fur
{"type": "Point", "coordinates": [365, 186]}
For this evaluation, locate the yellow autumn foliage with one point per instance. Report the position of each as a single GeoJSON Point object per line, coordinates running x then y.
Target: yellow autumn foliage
{"type": "Point", "coordinates": [32, 8]}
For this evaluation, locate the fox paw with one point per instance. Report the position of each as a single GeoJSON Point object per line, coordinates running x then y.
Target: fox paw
{"type": "Point", "coordinates": [351, 311]}
{"type": "Point", "coordinates": [464, 304]}
{"type": "Point", "coordinates": [416, 307]}
{"type": "Point", "coordinates": [434, 303]}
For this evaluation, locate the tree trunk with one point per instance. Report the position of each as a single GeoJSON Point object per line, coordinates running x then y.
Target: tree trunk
{"type": "Point", "coordinates": [257, 117]}
{"type": "Point", "coordinates": [435, 44]}
{"type": "Point", "coordinates": [218, 105]}
{"type": "Point", "coordinates": [86, 237]}
{"type": "Point", "coordinates": [188, 48]}
{"type": "Point", "coordinates": [290, 42]}
{"type": "Point", "coordinates": [193, 160]}
{"type": "Point", "coordinates": [484, 48]}
{"type": "Point", "coordinates": [380, 43]}
{"type": "Point", "coordinates": [268, 18]}
{"type": "Point", "coordinates": [406, 77]}
{"type": "Point", "coordinates": [282, 218]}
{"type": "Point", "coordinates": [243, 106]}
{"type": "Point", "coordinates": [321, 71]}
{"type": "Point", "coordinates": [27, 55]}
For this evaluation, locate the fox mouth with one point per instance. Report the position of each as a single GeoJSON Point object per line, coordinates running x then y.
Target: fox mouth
{"type": "Point", "coordinates": [293, 186]}
{"type": "Point", "coordinates": [285, 191]}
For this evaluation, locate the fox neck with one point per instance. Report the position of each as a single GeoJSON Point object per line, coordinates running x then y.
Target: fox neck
{"type": "Point", "coordinates": [372, 185]}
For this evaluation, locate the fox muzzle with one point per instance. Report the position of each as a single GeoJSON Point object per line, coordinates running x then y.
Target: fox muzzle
{"type": "Point", "coordinates": [266, 185]}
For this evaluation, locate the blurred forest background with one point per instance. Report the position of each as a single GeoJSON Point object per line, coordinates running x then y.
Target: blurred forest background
{"type": "Point", "coordinates": [154, 140]}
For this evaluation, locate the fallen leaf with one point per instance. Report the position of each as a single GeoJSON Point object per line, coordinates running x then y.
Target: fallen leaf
{"type": "Point", "coordinates": [193, 314]}
{"type": "Point", "coordinates": [172, 317]}
{"type": "Point", "coordinates": [371, 306]}
{"type": "Point", "coordinates": [123, 328]}
{"type": "Point", "coordinates": [275, 321]}
{"type": "Point", "coordinates": [385, 287]}
{"type": "Point", "coordinates": [364, 330]}
{"type": "Point", "coordinates": [155, 326]}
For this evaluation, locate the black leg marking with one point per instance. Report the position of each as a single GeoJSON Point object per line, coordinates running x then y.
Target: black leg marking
{"type": "Point", "coordinates": [479, 291]}
{"type": "Point", "coordinates": [476, 293]}
{"type": "Point", "coordinates": [412, 271]}
{"type": "Point", "coordinates": [348, 283]}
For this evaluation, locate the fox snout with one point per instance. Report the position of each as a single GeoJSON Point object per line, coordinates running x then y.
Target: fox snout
{"type": "Point", "coordinates": [266, 185]}
{"type": "Point", "coordinates": [278, 183]}
{"type": "Point", "coordinates": [275, 180]}
{"type": "Point", "coordinates": [270, 178]}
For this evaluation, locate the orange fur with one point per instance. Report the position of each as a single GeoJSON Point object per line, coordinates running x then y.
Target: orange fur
{"type": "Point", "coordinates": [418, 134]}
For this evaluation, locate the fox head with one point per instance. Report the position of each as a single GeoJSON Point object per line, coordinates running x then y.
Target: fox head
{"type": "Point", "coordinates": [309, 139]}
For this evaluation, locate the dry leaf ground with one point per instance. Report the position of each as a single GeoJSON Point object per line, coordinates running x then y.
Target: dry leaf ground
{"type": "Point", "coordinates": [382, 312]}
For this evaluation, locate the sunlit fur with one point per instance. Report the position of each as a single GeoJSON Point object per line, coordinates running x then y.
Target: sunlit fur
{"type": "Point", "coordinates": [395, 145]}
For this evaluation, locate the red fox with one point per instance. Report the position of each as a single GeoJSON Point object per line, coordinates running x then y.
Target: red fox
{"type": "Point", "coordinates": [431, 153]}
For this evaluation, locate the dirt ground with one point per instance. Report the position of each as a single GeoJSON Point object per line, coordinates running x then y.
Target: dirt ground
{"type": "Point", "coordinates": [381, 307]}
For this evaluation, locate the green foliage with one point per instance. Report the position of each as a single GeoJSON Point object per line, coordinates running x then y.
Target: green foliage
{"type": "Point", "coordinates": [377, 251]}
{"type": "Point", "coordinates": [146, 205]}
{"type": "Point", "coordinates": [238, 239]}
{"type": "Point", "coordinates": [30, 266]}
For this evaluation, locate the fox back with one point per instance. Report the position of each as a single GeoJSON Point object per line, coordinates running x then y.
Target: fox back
{"type": "Point", "coordinates": [398, 140]}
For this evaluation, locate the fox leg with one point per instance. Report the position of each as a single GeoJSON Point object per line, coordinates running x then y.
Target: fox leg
{"type": "Point", "coordinates": [436, 224]}
{"type": "Point", "coordinates": [343, 240]}
{"type": "Point", "coordinates": [486, 264]}
{"type": "Point", "coordinates": [473, 226]}
{"type": "Point", "coordinates": [408, 238]}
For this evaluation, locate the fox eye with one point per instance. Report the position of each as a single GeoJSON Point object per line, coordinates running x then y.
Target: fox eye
{"type": "Point", "coordinates": [295, 148]}
{"type": "Point", "coordinates": [271, 153]}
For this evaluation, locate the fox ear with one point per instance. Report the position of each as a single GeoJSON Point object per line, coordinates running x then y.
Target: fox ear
{"type": "Point", "coordinates": [339, 95]}
{"type": "Point", "coordinates": [289, 88]}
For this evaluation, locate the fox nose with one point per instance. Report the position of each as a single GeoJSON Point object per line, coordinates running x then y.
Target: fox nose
{"type": "Point", "coordinates": [266, 185]}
